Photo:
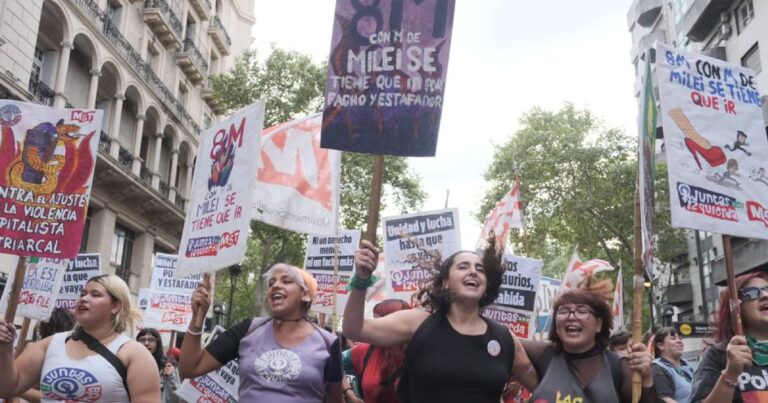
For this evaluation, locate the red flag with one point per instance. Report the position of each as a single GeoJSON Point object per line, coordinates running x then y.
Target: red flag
{"type": "Point", "coordinates": [507, 214]}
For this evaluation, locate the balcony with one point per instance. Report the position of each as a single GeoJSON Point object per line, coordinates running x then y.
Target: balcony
{"type": "Point", "coordinates": [679, 294]}
{"type": "Point", "coordinates": [202, 8]}
{"type": "Point", "coordinates": [146, 175]}
{"type": "Point", "coordinates": [220, 36]}
{"type": "Point", "coordinates": [180, 202]}
{"type": "Point", "coordinates": [105, 142]}
{"type": "Point", "coordinates": [703, 17]}
{"type": "Point", "coordinates": [192, 62]}
{"type": "Point", "coordinates": [209, 96]}
{"type": "Point", "coordinates": [125, 158]}
{"type": "Point", "coordinates": [164, 188]}
{"type": "Point", "coordinates": [163, 22]}
{"type": "Point", "coordinates": [747, 256]}
{"type": "Point", "coordinates": [100, 22]}
{"type": "Point", "coordinates": [42, 93]}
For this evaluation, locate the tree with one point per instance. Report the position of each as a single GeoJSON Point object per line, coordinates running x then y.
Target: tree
{"type": "Point", "coordinates": [577, 186]}
{"type": "Point", "coordinates": [292, 85]}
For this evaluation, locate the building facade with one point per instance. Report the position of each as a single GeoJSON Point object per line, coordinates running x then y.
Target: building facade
{"type": "Point", "coordinates": [730, 30]}
{"type": "Point", "coordinates": [147, 64]}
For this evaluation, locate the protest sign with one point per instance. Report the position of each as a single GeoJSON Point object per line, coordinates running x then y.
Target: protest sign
{"type": "Point", "coordinates": [517, 294]}
{"type": "Point", "coordinates": [168, 311]}
{"type": "Point", "coordinates": [647, 167]}
{"type": "Point", "coordinates": [82, 268]}
{"type": "Point", "coordinates": [410, 244]}
{"type": "Point", "coordinates": [545, 296]}
{"type": "Point", "coordinates": [320, 262]}
{"type": "Point", "coordinates": [219, 386]}
{"type": "Point", "coordinates": [386, 79]}
{"type": "Point", "coordinates": [717, 151]}
{"type": "Point", "coordinates": [47, 156]}
{"type": "Point", "coordinates": [219, 217]}
{"type": "Point", "coordinates": [297, 183]}
{"type": "Point", "coordinates": [41, 285]}
{"type": "Point", "coordinates": [163, 276]}
{"type": "Point", "coordinates": [142, 300]}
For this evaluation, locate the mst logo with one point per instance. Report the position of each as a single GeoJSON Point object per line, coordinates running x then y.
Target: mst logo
{"type": "Point", "coordinates": [82, 116]}
{"type": "Point", "coordinates": [292, 157]}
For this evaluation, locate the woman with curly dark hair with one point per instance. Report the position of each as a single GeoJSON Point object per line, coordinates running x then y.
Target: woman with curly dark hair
{"type": "Point", "coordinates": [454, 354]}
{"type": "Point", "coordinates": [575, 364]}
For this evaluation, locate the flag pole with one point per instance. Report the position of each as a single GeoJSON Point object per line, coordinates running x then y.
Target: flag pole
{"type": "Point", "coordinates": [637, 286]}
{"type": "Point", "coordinates": [335, 284]}
{"type": "Point", "coordinates": [13, 296]}
{"type": "Point", "coordinates": [375, 201]}
{"type": "Point", "coordinates": [734, 303]}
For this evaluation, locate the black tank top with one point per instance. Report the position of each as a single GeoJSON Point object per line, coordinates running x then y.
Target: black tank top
{"type": "Point", "coordinates": [452, 367]}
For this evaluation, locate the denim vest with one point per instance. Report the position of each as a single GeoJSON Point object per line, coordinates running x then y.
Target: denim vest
{"type": "Point", "coordinates": [682, 384]}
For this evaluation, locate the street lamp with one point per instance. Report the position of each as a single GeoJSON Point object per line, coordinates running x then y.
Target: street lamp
{"type": "Point", "coordinates": [218, 311]}
{"type": "Point", "coordinates": [234, 271]}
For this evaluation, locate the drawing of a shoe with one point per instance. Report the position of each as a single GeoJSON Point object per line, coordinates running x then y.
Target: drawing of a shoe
{"type": "Point", "coordinates": [695, 142]}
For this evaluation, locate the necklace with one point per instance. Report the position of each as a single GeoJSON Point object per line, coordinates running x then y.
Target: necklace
{"type": "Point", "coordinates": [595, 350]}
{"type": "Point", "coordinates": [279, 321]}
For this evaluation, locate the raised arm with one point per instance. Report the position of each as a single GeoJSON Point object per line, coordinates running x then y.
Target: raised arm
{"type": "Point", "coordinates": [391, 330]}
{"type": "Point", "coordinates": [194, 360]}
{"type": "Point", "coordinates": [522, 369]}
{"type": "Point", "coordinates": [21, 374]}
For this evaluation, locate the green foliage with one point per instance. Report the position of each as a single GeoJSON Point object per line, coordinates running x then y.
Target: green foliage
{"type": "Point", "coordinates": [577, 186]}
{"type": "Point", "coordinates": [292, 86]}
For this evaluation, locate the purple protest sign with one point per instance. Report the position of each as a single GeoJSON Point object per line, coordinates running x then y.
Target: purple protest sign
{"type": "Point", "coordinates": [386, 76]}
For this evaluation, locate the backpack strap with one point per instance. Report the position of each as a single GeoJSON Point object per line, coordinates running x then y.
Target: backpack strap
{"type": "Point", "coordinates": [418, 340]}
{"type": "Point", "coordinates": [327, 368]}
{"type": "Point", "coordinates": [367, 357]}
{"type": "Point", "coordinates": [95, 346]}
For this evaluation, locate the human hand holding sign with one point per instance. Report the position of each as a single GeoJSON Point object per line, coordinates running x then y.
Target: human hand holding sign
{"type": "Point", "coordinates": [201, 301]}
{"type": "Point", "coordinates": [366, 259]}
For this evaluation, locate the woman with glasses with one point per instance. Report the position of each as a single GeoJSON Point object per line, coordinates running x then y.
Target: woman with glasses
{"type": "Point", "coordinates": [576, 365]}
{"type": "Point", "coordinates": [95, 363]}
{"type": "Point", "coordinates": [671, 374]}
{"type": "Point", "coordinates": [283, 358]}
{"type": "Point", "coordinates": [453, 353]}
{"type": "Point", "coordinates": [169, 376]}
{"type": "Point", "coordinates": [734, 368]}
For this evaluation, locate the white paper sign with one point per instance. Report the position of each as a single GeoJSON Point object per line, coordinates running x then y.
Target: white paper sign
{"type": "Point", "coordinates": [717, 151]}
{"type": "Point", "coordinates": [219, 216]}
{"type": "Point", "coordinates": [79, 271]}
{"type": "Point", "coordinates": [297, 183]}
{"type": "Point", "coordinates": [168, 311]}
{"type": "Point", "coordinates": [320, 262]}
{"type": "Point", "coordinates": [517, 294]}
{"type": "Point", "coordinates": [163, 276]}
{"type": "Point", "coordinates": [143, 298]}
{"type": "Point", "coordinates": [40, 288]}
{"type": "Point", "coordinates": [409, 243]}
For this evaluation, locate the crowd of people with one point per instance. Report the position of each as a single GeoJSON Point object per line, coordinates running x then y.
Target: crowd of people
{"type": "Point", "coordinates": [444, 352]}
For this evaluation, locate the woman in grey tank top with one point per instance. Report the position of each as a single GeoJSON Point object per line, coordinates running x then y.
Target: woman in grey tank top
{"type": "Point", "coordinates": [575, 365]}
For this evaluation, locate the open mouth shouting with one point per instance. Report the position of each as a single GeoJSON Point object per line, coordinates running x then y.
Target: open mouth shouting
{"type": "Point", "coordinates": [573, 329]}
{"type": "Point", "coordinates": [277, 297]}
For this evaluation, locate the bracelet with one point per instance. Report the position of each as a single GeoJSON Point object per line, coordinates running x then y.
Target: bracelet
{"type": "Point", "coordinates": [360, 284]}
{"type": "Point", "coordinates": [191, 333]}
{"type": "Point", "coordinates": [726, 380]}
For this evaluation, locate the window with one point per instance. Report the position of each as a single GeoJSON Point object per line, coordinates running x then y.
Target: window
{"type": "Point", "coordinates": [122, 248]}
{"type": "Point", "coordinates": [745, 13]}
{"type": "Point", "coordinates": [183, 95]}
{"type": "Point", "coordinates": [114, 11]}
{"type": "Point", "coordinates": [37, 64]}
{"type": "Point", "coordinates": [751, 59]}
{"type": "Point", "coordinates": [679, 8]}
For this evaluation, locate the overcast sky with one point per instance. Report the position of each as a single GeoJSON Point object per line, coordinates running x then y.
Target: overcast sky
{"type": "Point", "coordinates": [507, 56]}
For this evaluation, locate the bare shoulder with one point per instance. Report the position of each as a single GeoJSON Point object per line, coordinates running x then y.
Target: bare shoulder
{"type": "Point", "coordinates": [133, 350]}
{"type": "Point", "coordinates": [413, 317]}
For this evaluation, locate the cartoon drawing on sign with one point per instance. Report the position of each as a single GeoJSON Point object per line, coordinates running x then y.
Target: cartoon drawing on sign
{"type": "Point", "coordinates": [758, 175]}
{"type": "Point", "coordinates": [740, 143]}
{"type": "Point", "coordinates": [729, 173]}
{"type": "Point", "coordinates": [695, 142]}
{"type": "Point", "coordinates": [223, 158]}
{"type": "Point", "coordinates": [39, 166]}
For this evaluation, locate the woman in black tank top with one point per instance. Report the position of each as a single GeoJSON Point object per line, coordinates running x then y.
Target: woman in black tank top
{"type": "Point", "coordinates": [455, 354]}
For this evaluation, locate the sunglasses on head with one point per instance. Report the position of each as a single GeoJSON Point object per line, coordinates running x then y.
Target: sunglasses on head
{"type": "Point", "coordinates": [752, 293]}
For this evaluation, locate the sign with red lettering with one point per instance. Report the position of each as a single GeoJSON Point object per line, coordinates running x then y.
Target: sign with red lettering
{"type": "Point", "coordinates": [40, 289]}
{"type": "Point", "coordinates": [297, 183]}
{"type": "Point", "coordinates": [47, 156]}
{"type": "Point", "coordinates": [219, 216]}
{"type": "Point", "coordinates": [717, 151]}
{"type": "Point", "coordinates": [219, 386]}
{"type": "Point", "coordinates": [168, 311]}
{"type": "Point", "coordinates": [322, 254]}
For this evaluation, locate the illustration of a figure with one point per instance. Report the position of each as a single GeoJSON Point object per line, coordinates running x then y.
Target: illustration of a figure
{"type": "Point", "coordinates": [758, 175]}
{"type": "Point", "coordinates": [740, 143]}
{"type": "Point", "coordinates": [696, 143]}
{"type": "Point", "coordinates": [730, 172]}
{"type": "Point", "coordinates": [223, 161]}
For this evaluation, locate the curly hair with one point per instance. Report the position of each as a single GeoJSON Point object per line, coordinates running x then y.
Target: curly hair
{"type": "Point", "coordinates": [591, 299]}
{"type": "Point", "coordinates": [434, 298]}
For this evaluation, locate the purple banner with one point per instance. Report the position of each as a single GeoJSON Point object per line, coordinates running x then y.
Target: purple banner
{"type": "Point", "coordinates": [386, 76]}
